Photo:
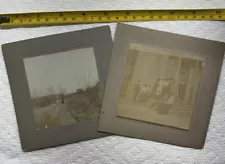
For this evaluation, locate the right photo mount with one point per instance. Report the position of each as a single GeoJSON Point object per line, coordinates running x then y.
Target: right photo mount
{"type": "Point", "coordinates": [161, 86]}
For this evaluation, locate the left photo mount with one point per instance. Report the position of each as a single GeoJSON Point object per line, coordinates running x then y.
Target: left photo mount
{"type": "Point", "coordinates": [57, 84]}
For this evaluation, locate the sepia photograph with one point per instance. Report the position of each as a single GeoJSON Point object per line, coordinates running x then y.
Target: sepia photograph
{"type": "Point", "coordinates": [159, 87]}
{"type": "Point", "coordinates": [64, 87]}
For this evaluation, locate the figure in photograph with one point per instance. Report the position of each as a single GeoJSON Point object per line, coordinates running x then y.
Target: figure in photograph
{"type": "Point", "coordinates": [181, 91]}
{"type": "Point", "coordinates": [137, 89]}
{"type": "Point", "coordinates": [144, 94]}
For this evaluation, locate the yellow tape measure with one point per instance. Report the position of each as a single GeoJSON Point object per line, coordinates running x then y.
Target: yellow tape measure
{"type": "Point", "coordinates": [78, 17]}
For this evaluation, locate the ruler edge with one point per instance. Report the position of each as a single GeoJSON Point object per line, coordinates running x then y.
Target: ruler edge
{"type": "Point", "coordinates": [132, 10]}
{"type": "Point", "coordinates": [102, 11]}
{"type": "Point", "coordinates": [105, 10]}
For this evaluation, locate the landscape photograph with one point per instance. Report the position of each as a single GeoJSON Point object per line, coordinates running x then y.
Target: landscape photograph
{"type": "Point", "coordinates": [64, 87]}
{"type": "Point", "coordinates": [159, 88]}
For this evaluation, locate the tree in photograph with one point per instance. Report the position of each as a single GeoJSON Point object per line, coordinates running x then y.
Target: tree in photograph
{"type": "Point", "coordinates": [51, 90]}
{"type": "Point", "coordinates": [62, 92]}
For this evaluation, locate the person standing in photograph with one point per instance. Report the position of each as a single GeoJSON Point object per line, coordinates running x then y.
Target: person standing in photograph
{"type": "Point", "coordinates": [144, 94]}
{"type": "Point", "coordinates": [159, 89]}
{"type": "Point", "coordinates": [156, 93]}
{"type": "Point", "coordinates": [181, 91]}
{"type": "Point", "coordinates": [165, 89]}
{"type": "Point", "coordinates": [169, 88]}
{"type": "Point", "coordinates": [153, 91]}
{"type": "Point", "coordinates": [170, 85]}
{"type": "Point", "coordinates": [137, 89]}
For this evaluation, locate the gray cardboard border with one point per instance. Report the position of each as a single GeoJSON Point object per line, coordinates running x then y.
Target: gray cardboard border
{"type": "Point", "coordinates": [99, 38]}
{"type": "Point", "coordinates": [211, 51]}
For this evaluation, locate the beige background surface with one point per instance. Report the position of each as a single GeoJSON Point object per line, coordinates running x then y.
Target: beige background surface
{"type": "Point", "coordinates": [114, 149]}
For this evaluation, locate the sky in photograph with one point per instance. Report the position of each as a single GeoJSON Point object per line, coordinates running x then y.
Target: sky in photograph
{"type": "Point", "coordinates": [69, 70]}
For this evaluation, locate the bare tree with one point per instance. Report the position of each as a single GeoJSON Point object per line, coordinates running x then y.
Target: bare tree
{"type": "Point", "coordinates": [62, 93]}
{"type": "Point", "coordinates": [51, 90]}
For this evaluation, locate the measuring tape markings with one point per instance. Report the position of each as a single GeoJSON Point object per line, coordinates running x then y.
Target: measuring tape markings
{"type": "Point", "coordinates": [75, 17]}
